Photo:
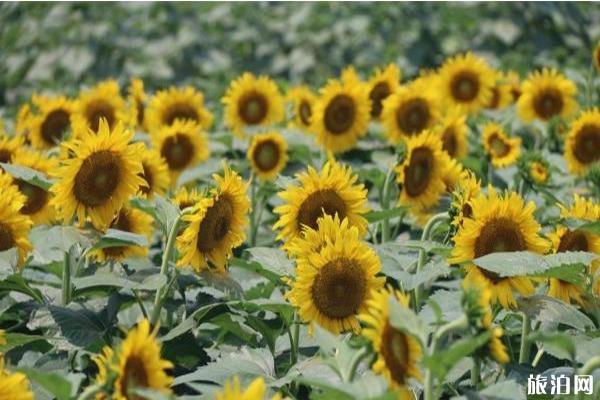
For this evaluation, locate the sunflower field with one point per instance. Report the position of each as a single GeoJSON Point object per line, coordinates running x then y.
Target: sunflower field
{"type": "Point", "coordinates": [249, 201]}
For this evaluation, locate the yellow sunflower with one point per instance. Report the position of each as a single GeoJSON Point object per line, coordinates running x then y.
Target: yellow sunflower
{"type": "Point", "coordinates": [496, 347]}
{"type": "Point", "coordinates": [546, 94]}
{"type": "Point", "coordinates": [182, 145]}
{"type": "Point", "coordinates": [453, 130]}
{"type": "Point", "coordinates": [185, 105]}
{"type": "Point", "coordinates": [466, 82]}
{"type": "Point", "coordinates": [14, 386]}
{"type": "Point", "coordinates": [140, 364]}
{"type": "Point", "coordinates": [381, 85]}
{"type": "Point", "coordinates": [582, 145]}
{"type": "Point", "coordinates": [128, 220]}
{"type": "Point", "coordinates": [185, 197]}
{"type": "Point", "coordinates": [104, 363]}
{"type": "Point", "coordinates": [103, 101]}
{"type": "Point", "coordinates": [22, 121]}
{"type": "Point", "coordinates": [14, 226]}
{"type": "Point", "coordinates": [581, 208]}
{"type": "Point", "coordinates": [467, 189]}
{"type": "Point", "coordinates": [9, 146]}
{"type": "Point", "coordinates": [409, 111]}
{"type": "Point", "coordinates": [513, 80]}
{"type": "Point", "coordinates": [104, 172]}
{"type": "Point", "coordinates": [501, 94]}
{"type": "Point", "coordinates": [255, 391]}
{"type": "Point", "coordinates": [350, 76]}
{"type": "Point", "coordinates": [252, 102]}
{"type": "Point", "coordinates": [503, 151]}
{"type": "Point", "coordinates": [596, 56]}
{"type": "Point", "coordinates": [37, 205]}
{"type": "Point", "coordinates": [398, 353]}
{"type": "Point", "coordinates": [136, 96]}
{"type": "Point", "coordinates": [52, 124]}
{"type": "Point", "coordinates": [268, 155]}
{"type": "Point", "coordinates": [539, 172]}
{"type": "Point", "coordinates": [155, 174]}
{"type": "Point", "coordinates": [498, 223]}
{"type": "Point", "coordinates": [452, 174]}
{"type": "Point", "coordinates": [333, 285]}
{"type": "Point", "coordinates": [303, 100]}
{"type": "Point", "coordinates": [341, 115]}
{"type": "Point", "coordinates": [332, 191]}
{"type": "Point", "coordinates": [329, 228]}
{"type": "Point", "coordinates": [422, 172]}
{"type": "Point", "coordinates": [217, 224]}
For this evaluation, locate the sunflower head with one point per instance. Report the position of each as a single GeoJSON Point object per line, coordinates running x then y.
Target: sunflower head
{"type": "Point", "coordinates": [52, 123]}
{"type": "Point", "coordinates": [582, 145]}
{"type": "Point", "coordinates": [381, 85]}
{"type": "Point", "coordinates": [453, 131]}
{"type": "Point", "coordinates": [185, 198]}
{"type": "Point", "coordinates": [103, 101]}
{"type": "Point", "coordinates": [513, 80]}
{"type": "Point", "coordinates": [303, 100]}
{"type": "Point", "coordinates": [535, 169]}
{"type": "Point", "coordinates": [502, 150]}
{"type": "Point", "coordinates": [155, 174]}
{"type": "Point", "coordinates": [22, 121]}
{"type": "Point", "coordinates": [136, 96]}
{"type": "Point", "coordinates": [501, 94]}
{"type": "Point", "coordinates": [14, 226]}
{"type": "Point", "coordinates": [177, 106]}
{"type": "Point", "coordinates": [268, 155]}
{"type": "Point", "coordinates": [581, 208]}
{"type": "Point", "coordinates": [252, 102]}
{"type": "Point", "coordinates": [9, 146]}
{"type": "Point", "coordinates": [14, 386]}
{"type": "Point", "coordinates": [232, 390]}
{"type": "Point", "coordinates": [468, 188]}
{"type": "Point", "coordinates": [546, 94]}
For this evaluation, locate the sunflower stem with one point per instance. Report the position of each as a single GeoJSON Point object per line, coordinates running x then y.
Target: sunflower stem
{"type": "Point", "coordinates": [524, 350]}
{"type": "Point", "coordinates": [164, 267]}
{"type": "Point", "coordinates": [589, 367]}
{"type": "Point", "coordinates": [538, 357]}
{"type": "Point", "coordinates": [253, 222]}
{"type": "Point", "coordinates": [385, 205]}
{"type": "Point", "coordinates": [294, 337]}
{"type": "Point", "coordinates": [475, 372]}
{"type": "Point", "coordinates": [66, 281]}
{"type": "Point", "coordinates": [354, 363]}
{"type": "Point", "coordinates": [433, 221]}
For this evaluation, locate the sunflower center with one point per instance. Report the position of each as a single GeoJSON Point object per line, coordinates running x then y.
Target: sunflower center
{"type": "Point", "coordinates": [215, 225]}
{"type": "Point", "coordinates": [587, 144]}
{"type": "Point", "coordinates": [253, 108]}
{"type": "Point", "coordinates": [318, 204]}
{"type": "Point", "coordinates": [122, 223]}
{"type": "Point", "coordinates": [178, 150]}
{"type": "Point", "coordinates": [379, 92]}
{"type": "Point", "coordinates": [396, 352]}
{"type": "Point", "coordinates": [147, 175]}
{"type": "Point", "coordinates": [266, 155]}
{"type": "Point", "coordinates": [141, 109]}
{"type": "Point", "coordinates": [498, 146]}
{"type": "Point", "coordinates": [36, 197]}
{"type": "Point", "coordinates": [548, 103]}
{"type": "Point", "coordinates": [449, 143]}
{"type": "Point", "coordinates": [55, 125]}
{"type": "Point", "coordinates": [5, 155]}
{"type": "Point", "coordinates": [573, 241]}
{"type": "Point", "coordinates": [181, 111]}
{"type": "Point", "coordinates": [134, 376]}
{"type": "Point", "coordinates": [305, 112]}
{"type": "Point", "coordinates": [464, 86]}
{"type": "Point", "coordinates": [413, 116]}
{"type": "Point", "coordinates": [97, 178]}
{"type": "Point", "coordinates": [6, 238]}
{"type": "Point", "coordinates": [339, 288]}
{"type": "Point", "coordinates": [100, 109]}
{"type": "Point", "coordinates": [418, 171]}
{"type": "Point", "coordinates": [495, 101]}
{"type": "Point", "coordinates": [340, 114]}
{"type": "Point", "coordinates": [498, 235]}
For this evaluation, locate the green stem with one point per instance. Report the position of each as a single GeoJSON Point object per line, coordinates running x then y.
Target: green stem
{"type": "Point", "coordinates": [66, 281]}
{"type": "Point", "coordinates": [475, 372]}
{"type": "Point", "coordinates": [433, 221]}
{"type": "Point", "coordinates": [294, 338]}
{"type": "Point", "coordinates": [354, 363]}
{"type": "Point", "coordinates": [253, 223]}
{"type": "Point", "coordinates": [538, 357]}
{"type": "Point", "coordinates": [385, 204]}
{"type": "Point", "coordinates": [589, 367]}
{"type": "Point", "coordinates": [524, 350]}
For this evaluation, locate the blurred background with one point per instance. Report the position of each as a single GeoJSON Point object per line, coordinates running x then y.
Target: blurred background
{"type": "Point", "coordinates": [58, 47]}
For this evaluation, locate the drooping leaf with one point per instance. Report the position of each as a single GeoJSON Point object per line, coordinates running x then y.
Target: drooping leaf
{"type": "Point", "coordinates": [118, 238]}
{"type": "Point", "coordinates": [380, 215]}
{"type": "Point", "coordinates": [405, 319]}
{"type": "Point", "coordinates": [16, 283]}
{"type": "Point", "coordinates": [272, 259]}
{"type": "Point", "coordinates": [28, 175]}
{"type": "Point", "coordinates": [523, 263]}
{"type": "Point", "coordinates": [548, 309]}
{"type": "Point", "coordinates": [54, 383]}
{"type": "Point", "coordinates": [559, 345]}
{"type": "Point", "coordinates": [80, 326]}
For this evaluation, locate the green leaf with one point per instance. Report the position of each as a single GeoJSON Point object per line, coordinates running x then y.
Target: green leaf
{"type": "Point", "coordinates": [525, 263]}
{"type": "Point", "coordinates": [575, 273]}
{"type": "Point", "coordinates": [559, 345]}
{"type": "Point", "coordinates": [272, 259]}
{"type": "Point", "coordinates": [165, 212]}
{"type": "Point", "coordinates": [548, 309]}
{"type": "Point", "coordinates": [54, 383]}
{"type": "Point", "coordinates": [51, 243]}
{"type": "Point", "coordinates": [153, 282]}
{"type": "Point", "coordinates": [16, 283]}
{"type": "Point", "coordinates": [405, 319]}
{"type": "Point", "coordinates": [199, 316]}
{"type": "Point", "coordinates": [18, 339]}
{"type": "Point", "coordinates": [9, 259]}
{"type": "Point", "coordinates": [117, 238]}
{"type": "Point", "coordinates": [592, 227]}
{"type": "Point", "coordinates": [505, 390]}
{"type": "Point", "coordinates": [379, 215]}
{"type": "Point", "coordinates": [80, 327]}
{"type": "Point", "coordinates": [257, 268]}
{"type": "Point", "coordinates": [28, 175]}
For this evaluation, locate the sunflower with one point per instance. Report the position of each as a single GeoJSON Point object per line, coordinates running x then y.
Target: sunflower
{"type": "Point", "coordinates": [381, 85]}
{"type": "Point", "coordinates": [14, 386]}
{"type": "Point", "coordinates": [546, 94]}
{"type": "Point", "coordinates": [333, 285]}
{"type": "Point", "coordinates": [581, 208]}
{"type": "Point", "coordinates": [182, 144]}
{"type": "Point", "coordinates": [252, 101]}
{"type": "Point", "coordinates": [350, 76]}
{"type": "Point", "coordinates": [14, 226]}
{"type": "Point", "coordinates": [398, 353]}
{"type": "Point", "coordinates": [539, 172]}
{"type": "Point", "coordinates": [467, 189]}
{"type": "Point", "coordinates": [501, 94]}
{"type": "Point", "coordinates": [185, 105]}
{"type": "Point", "coordinates": [155, 174]}
{"type": "Point", "coordinates": [467, 82]}
{"type": "Point", "coordinates": [512, 79]}
{"type": "Point", "coordinates": [496, 347]}
{"type": "Point", "coordinates": [452, 173]}
{"type": "Point", "coordinates": [453, 130]}
{"type": "Point", "coordinates": [128, 220]}
{"type": "Point", "coordinates": [268, 155]}
{"type": "Point", "coordinates": [303, 100]}
{"type": "Point", "coordinates": [341, 115]}
{"type": "Point", "coordinates": [422, 172]}
{"type": "Point", "coordinates": [503, 151]}
{"type": "Point", "coordinates": [596, 56]}
{"type": "Point", "coordinates": [233, 391]}
{"type": "Point", "coordinates": [136, 96]}
{"type": "Point", "coordinates": [185, 198]}
{"type": "Point", "coordinates": [104, 363]}
{"type": "Point", "coordinates": [53, 122]}
{"type": "Point", "coordinates": [140, 364]}
{"type": "Point", "coordinates": [498, 223]}
{"type": "Point", "coordinates": [37, 204]}
{"type": "Point", "coordinates": [409, 111]}
{"type": "Point", "coordinates": [103, 101]}
{"type": "Point", "coordinates": [217, 224]}
{"type": "Point", "coordinates": [534, 168]}
{"type": "Point", "coordinates": [582, 145]}
{"type": "Point", "coordinates": [103, 173]}
{"type": "Point", "coordinates": [9, 146]}
{"type": "Point", "coordinates": [22, 121]}
{"type": "Point", "coordinates": [332, 191]}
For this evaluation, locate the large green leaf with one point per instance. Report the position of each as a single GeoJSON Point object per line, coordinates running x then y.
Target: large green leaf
{"type": "Point", "coordinates": [18, 339]}
{"type": "Point", "coordinates": [523, 263]}
{"type": "Point", "coordinates": [559, 344]}
{"type": "Point", "coordinates": [379, 215]}
{"type": "Point", "coordinates": [80, 326]}
{"type": "Point", "coordinates": [18, 284]}
{"type": "Point", "coordinates": [272, 259]}
{"type": "Point", "coordinates": [54, 383]}
{"type": "Point", "coordinates": [548, 309]}
{"type": "Point", "coordinates": [403, 318]}
{"type": "Point", "coordinates": [28, 175]}
{"type": "Point", "coordinates": [118, 238]}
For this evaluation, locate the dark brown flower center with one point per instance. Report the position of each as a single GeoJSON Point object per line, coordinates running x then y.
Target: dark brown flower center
{"type": "Point", "coordinates": [379, 93]}
{"type": "Point", "coordinates": [253, 108]}
{"type": "Point", "coordinates": [573, 241]}
{"type": "Point", "coordinates": [97, 178]}
{"type": "Point", "coordinates": [305, 112]}
{"type": "Point", "coordinates": [178, 151]}
{"type": "Point", "coordinates": [417, 173]}
{"type": "Point", "coordinates": [55, 126]}
{"type": "Point", "coordinates": [340, 114]}
{"type": "Point", "coordinates": [180, 111]}
{"type": "Point", "coordinates": [6, 238]}
{"type": "Point", "coordinates": [339, 288]}
{"type": "Point", "coordinates": [5, 156]}
{"type": "Point", "coordinates": [266, 155]}
{"type": "Point", "coordinates": [215, 225]}
{"type": "Point", "coordinates": [464, 86]}
{"type": "Point", "coordinates": [141, 110]}
{"type": "Point", "coordinates": [498, 146]}
{"type": "Point", "coordinates": [134, 376]}
{"type": "Point", "coordinates": [149, 178]}
{"type": "Point", "coordinates": [318, 204]}
{"type": "Point", "coordinates": [413, 116]}
{"type": "Point", "coordinates": [495, 100]}
{"type": "Point", "coordinates": [100, 109]}
{"type": "Point", "coordinates": [587, 144]}
{"type": "Point", "coordinates": [449, 142]}
{"type": "Point", "coordinates": [36, 197]}
{"type": "Point", "coordinates": [548, 103]}
{"type": "Point", "coordinates": [396, 352]}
